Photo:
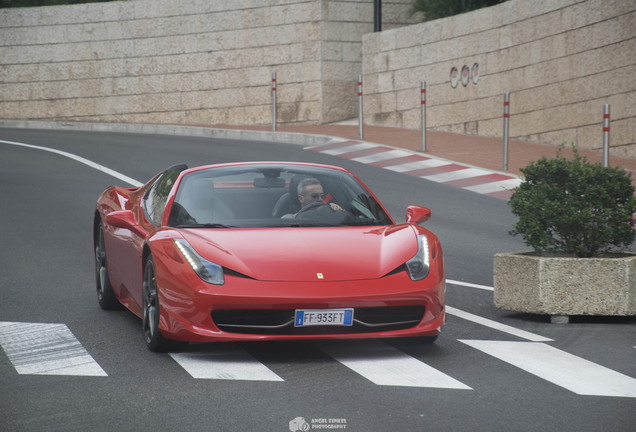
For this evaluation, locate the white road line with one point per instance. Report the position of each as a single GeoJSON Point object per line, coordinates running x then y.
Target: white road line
{"type": "Point", "coordinates": [46, 349]}
{"type": "Point", "coordinates": [90, 163]}
{"type": "Point", "coordinates": [385, 365]}
{"type": "Point", "coordinates": [224, 363]}
{"type": "Point", "coordinates": [490, 323]}
{"type": "Point", "coordinates": [455, 175]}
{"type": "Point", "coordinates": [385, 155]}
{"type": "Point", "coordinates": [496, 325]}
{"type": "Point", "coordinates": [412, 166]}
{"type": "Point", "coordinates": [559, 367]}
{"type": "Point", "coordinates": [470, 285]}
{"type": "Point", "coordinates": [348, 149]}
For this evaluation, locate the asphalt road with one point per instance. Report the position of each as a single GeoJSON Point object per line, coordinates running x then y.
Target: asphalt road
{"type": "Point", "coordinates": [479, 376]}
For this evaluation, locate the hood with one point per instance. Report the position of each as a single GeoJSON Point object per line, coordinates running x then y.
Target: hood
{"type": "Point", "coordinates": [307, 254]}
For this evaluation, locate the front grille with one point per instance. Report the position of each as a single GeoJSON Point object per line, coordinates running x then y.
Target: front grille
{"type": "Point", "coordinates": [281, 321]}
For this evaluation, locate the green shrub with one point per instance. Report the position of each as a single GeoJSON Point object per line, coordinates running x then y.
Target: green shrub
{"type": "Point", "coordinates": [435, 9]}
{"type": "Point", "coordinates": [574, 207]}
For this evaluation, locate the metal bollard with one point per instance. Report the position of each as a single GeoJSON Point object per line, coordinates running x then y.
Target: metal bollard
{"type": "Point", "coordinates": [360, 106]}
{"type": "Point", "coordinates": [606, 130]}
{"type": "Point", "coordinates": [423, 109]}
{"type": "Point", "coordinates": [274, 101]}
{"type": "Point", "coordinates": [505, 130]}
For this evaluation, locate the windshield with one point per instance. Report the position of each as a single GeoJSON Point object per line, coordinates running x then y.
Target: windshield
{"type": "Point", "coordinates": [273, 195]}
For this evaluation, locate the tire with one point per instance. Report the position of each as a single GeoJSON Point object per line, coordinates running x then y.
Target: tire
{"type": "Point", "coordinates": [428, 340]}
{"type": "Point", "coordinates": [105, 295]}
{"type": "Point", "coordinates": [150, 313]}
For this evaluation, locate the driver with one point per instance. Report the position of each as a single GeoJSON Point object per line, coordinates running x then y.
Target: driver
{"type": "Point", "coordinates": [310, 191]}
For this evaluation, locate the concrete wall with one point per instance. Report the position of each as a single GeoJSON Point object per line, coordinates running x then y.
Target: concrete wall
{"type": "Point", "coordinates": [561, 61]}
{"type": "Point", "coordinates": [196, 62]}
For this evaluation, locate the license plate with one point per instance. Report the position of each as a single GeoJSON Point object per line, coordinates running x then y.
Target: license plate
{"type": "Point", "coordinates": [313, 317]}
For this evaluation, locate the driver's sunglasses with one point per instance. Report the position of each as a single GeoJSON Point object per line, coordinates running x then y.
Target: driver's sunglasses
{"type": "Point", "coordinates": [317, 196]}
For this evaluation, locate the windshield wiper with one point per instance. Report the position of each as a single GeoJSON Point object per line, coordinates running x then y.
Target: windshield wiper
{"type": "Point", "coordinates": [205, 225]}
{"type": "Point", "coordinates": [310, 224]}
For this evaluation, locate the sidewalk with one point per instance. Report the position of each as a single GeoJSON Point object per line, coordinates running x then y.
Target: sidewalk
{"type": "Point", "coordinates": [472, 150]}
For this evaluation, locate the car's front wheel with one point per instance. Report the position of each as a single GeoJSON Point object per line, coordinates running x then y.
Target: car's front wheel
{"type": "Point", "coordinates": [428, 340]}
{"type": "Point", "coordinates": [150, 319]}
{"type": "Point", "coordinates": [105, 295]}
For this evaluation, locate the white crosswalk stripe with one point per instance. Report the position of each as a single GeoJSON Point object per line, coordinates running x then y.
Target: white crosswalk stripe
{"type": "Point", "coordinates": [46, 349]}
{"type": "Point", "coordinates": [385, 365]}
{"type": "Point", "coordinates": [227, 362]}
{"type": "Point", "coordinates": [559, 367]}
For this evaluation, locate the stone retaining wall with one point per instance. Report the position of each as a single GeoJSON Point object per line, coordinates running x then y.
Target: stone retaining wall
{"type": "Point", "coordinates": [561, 61]}
{"type": "Point", "coordinates": [186, 62]}
{"type": "Point", "coordinates": [203, 62]}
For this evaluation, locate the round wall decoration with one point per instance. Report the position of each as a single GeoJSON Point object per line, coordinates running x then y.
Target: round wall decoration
{"type": "Point", "coordinates": [475, 73]}
{"type": "Point", "coordinates": [454, 77]}
{"type": "Point", "coordinates": [465, 75]}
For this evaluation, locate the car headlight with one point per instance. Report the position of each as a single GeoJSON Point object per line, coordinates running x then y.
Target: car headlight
{"type": "Point", "coordinates": [419, 266]}
{"type": "Point", "coordinates": [207, 270]}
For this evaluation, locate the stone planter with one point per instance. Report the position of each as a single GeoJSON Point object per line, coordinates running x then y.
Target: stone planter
{"type": "Point", "coordinates": [557, 286]}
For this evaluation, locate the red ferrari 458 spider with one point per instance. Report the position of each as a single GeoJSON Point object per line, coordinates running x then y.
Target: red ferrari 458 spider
{"type": "Point", "coordinates": [265, 251]}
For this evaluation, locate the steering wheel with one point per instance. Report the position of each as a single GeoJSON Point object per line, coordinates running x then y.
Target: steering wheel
{"type": "Point", "coordinates": [313, 206]}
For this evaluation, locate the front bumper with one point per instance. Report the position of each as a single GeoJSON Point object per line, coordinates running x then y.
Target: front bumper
{"type": "Point", "coordinates": [246, 309]}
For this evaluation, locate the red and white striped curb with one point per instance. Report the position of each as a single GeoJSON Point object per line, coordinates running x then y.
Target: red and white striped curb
{"type": "Point", "coordinates": [479, 180]}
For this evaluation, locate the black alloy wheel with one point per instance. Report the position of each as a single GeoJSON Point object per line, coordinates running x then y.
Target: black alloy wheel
{"type": "Point", "coordinates": [105, 295]}
{"type": "Point", "coordinates": [150, 320]}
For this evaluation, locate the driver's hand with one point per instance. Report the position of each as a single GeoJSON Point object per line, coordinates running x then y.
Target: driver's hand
{"type": "Point", "coordinates": [335, 207]}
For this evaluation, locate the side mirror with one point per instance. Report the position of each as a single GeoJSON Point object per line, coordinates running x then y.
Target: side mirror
{"type": "Point", "coordinates": [417, 214]}
{"type": "Point", "coordinates": [125, 219]}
